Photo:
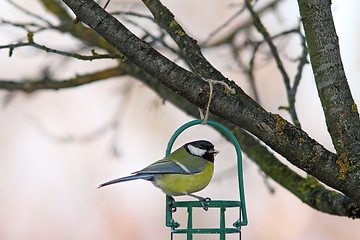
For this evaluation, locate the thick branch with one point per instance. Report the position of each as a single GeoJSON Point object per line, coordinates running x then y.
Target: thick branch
{"type": "Point", "coordinates": [340, 110]}
{"type": "Point", "coordinates": [187, 45]}
{"type": "Point", "coordinates": [294, 144]}
{"type": "Point", "coordinates": [308, 190]}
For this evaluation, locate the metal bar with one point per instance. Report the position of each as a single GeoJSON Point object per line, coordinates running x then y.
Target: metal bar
{"type": "Point", "coordinates": [189, 224]}
{"type": "Point", "coordinates": [222, 223]}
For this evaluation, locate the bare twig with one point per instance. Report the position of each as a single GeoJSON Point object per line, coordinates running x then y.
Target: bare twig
{"type": "Point", "coordinates": [48, 83]}
{"type": "Point", "coordinates": [31, 43]}
{"type": "Point", "coordinates": [269, 40]}
{"type": "Point", "coordinates": [29, 13]}
{"type": "Point", "coordinates": [217, 30]}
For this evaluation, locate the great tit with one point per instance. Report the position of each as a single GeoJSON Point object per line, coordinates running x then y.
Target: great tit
{"type": "Point", "coordinates": [187, 170]}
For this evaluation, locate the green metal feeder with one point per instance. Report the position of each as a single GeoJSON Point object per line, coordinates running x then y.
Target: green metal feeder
{"type": "Point", "coordinates": [221, 204]}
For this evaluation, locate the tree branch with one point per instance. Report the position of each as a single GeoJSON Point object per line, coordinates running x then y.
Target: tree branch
{"type": "Point", "coordinates": [31, 43]}
{"type": "Point", "coordinates": [46, 83]}
{"type": "Point", "coordinates": [187, 44]}
{"type": "Point", "coordinates": [341, 113]}
{"type": "Point", "coordinates": [308, 190]}
{"type": "Point", "coordinates": [273, 49]}
{"type": "Point", "coordinates": [291, 142]}
{"type": "Point", "coordinates": [245, 25]}
{"type": "Point", "coordinates": [88, 36]}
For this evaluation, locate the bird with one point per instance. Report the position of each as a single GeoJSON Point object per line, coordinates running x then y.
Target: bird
{"type": "Point", "coordinates": [185, 171]}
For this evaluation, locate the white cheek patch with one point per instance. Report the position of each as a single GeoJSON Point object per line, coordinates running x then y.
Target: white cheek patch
{"type": "Point", "coordinates": [196, 151]}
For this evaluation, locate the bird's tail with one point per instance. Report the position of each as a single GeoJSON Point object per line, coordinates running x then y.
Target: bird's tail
{"type": "Point", "coordinates": [128, 178]}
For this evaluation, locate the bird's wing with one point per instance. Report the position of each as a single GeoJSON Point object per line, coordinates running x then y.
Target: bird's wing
{"type": "Point", "coordinates": [167, 165]}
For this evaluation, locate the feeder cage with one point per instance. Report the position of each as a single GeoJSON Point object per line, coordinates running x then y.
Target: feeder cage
{"type": "Point", "coordinates": [222, 205]}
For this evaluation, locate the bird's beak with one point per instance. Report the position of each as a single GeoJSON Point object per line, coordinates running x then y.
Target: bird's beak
{"type": "Point", "coordinates": [214, 151]}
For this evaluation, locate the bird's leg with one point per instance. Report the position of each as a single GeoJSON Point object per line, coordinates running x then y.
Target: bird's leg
{"type": "Point", "coordinates": [203, 201]}
{"type": "Point", "coordinates": [169, 204]}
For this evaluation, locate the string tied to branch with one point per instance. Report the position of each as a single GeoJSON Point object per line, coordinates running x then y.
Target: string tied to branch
{"type": "Point", "coordinates": [212, 82]}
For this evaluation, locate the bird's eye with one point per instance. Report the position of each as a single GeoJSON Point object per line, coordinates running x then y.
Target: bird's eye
{"type": "Point", "coordinates": [205, 147]}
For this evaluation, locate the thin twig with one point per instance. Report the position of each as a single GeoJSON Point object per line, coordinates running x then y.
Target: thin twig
{"type": "Point", "coordinates": [302, 62]}
{"type": "Point", "coordinates": [261, 28]}
{"type": "Point", "coordinates": [29, 13]}
{"type": "Point", "coordinates": [95, 55]}
{"type": "Point", "coordinates": [217, 30]}
{"type": "Point", "coordinates": [134, 14]}
{"type": "Point", "coordinates": [47, 83]}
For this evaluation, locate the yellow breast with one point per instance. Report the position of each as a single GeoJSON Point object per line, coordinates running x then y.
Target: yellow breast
{"type": "Point", "coordinates": [182, 184]}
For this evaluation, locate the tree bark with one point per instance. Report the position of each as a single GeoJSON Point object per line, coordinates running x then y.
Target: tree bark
{"type": "Point", "coordinates": [341, 113]}
{"type": "Point", "coordinates": [292, 143]}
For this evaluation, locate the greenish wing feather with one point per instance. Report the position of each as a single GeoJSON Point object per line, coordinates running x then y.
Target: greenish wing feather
{"type": "Point", "coordinates": [193, 164]}
{"type": "Point", "coordinates": [179, 161]}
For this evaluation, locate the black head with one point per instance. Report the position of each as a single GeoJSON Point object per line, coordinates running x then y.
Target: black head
{"type": "Point", "coordinates": [201, 148]}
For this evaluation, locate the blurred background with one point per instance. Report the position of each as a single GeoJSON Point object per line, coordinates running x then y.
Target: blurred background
{"type": "Point", "coordinates": [56, 147]}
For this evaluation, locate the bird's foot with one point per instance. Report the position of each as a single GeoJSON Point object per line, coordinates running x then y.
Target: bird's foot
{"type": "Point", "coordinates": [170, 205]}
{"type": "Point", "coordinates": [205, 202]}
